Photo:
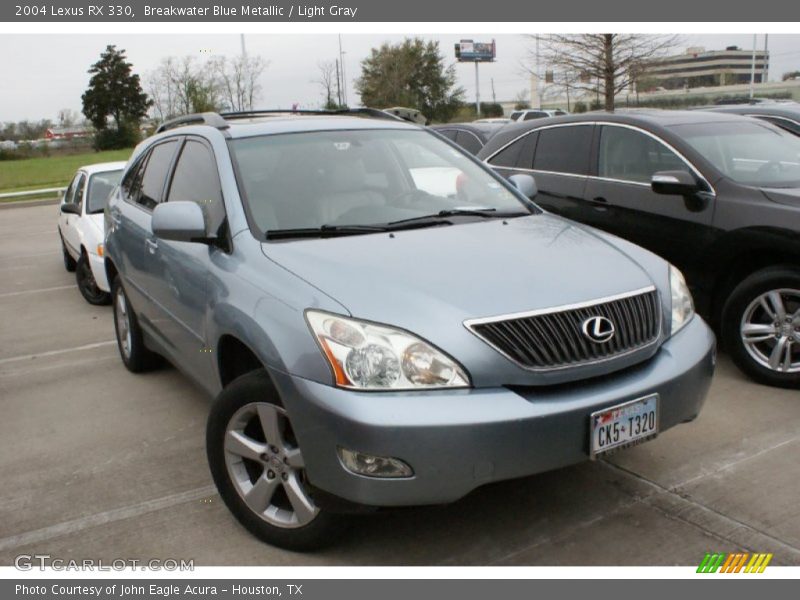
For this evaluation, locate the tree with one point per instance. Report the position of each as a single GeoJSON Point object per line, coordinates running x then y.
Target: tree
{"type": "Point", "coordinates": [604, 63]}
{"type": "Point", "coordinates": [237, 79]}
{"type": "Point", "coordinates": [114, 91]}
{"type": "Point", "coordinates": [412, 74]}
{"type": "Point", "coordinates": [328, 81]}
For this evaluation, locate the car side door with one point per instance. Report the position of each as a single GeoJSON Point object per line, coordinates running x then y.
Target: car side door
{"type": "Point", "coordinates": [558, 158]}
{"type": "Point", "coordinates": [620, 193]}
{"type": "Point", "coordinates": [142, 190]}
{"type": "Point", "coordinates": [181, 290]}
{"type": "Point", "coordinates": [66, 219]}
{"type": "Point", "coordinates": [71, 233]}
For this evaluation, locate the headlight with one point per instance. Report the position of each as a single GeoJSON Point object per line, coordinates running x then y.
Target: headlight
{"type": "Point", "coordinates": [682, 305]}
{"type": "Point", "coordinates": [367, 356]}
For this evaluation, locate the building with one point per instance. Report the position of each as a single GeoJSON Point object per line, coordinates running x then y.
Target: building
{"type": "Point", "coordinates": [698, 67]}
{"type": "Point", "coordinates": [67, 133]}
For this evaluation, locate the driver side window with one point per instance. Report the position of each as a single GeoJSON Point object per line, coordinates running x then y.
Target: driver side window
{"type": "Point", "coordinates": [629, 155]}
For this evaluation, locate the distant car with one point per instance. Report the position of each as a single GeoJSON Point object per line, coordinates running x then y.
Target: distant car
{"type": "Point", "coordinates": [716, 194]}
{"type": "Point", "coordinates": [80, 227]}
{"type": "Point", "coordinates": [493, 120]}
{"type": "Point", "coordinates": [411, 115]}
{"type": "Point", "coordinates": [470, 136]}
{"type": "Point", "coordinates": [782, 114]}
{"type": "Point", "coordinates": [536, 113]}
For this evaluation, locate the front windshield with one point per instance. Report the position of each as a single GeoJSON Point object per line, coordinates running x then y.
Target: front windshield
{"type": "Point", "coordinates": [749, 152]}
{"type": "Point", "coordinates": [100, 187]}
{"type": "Point", "coordinates": [361, 177]}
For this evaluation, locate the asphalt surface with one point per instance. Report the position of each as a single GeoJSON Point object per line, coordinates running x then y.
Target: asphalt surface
{"type": "Point", "coordinates": [96, 462]}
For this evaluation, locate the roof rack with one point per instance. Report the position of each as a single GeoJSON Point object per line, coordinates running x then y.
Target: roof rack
{"type": "Point", "coordinates": [207, 118]}
{"type": "Point", "coordinates": [220, 120]}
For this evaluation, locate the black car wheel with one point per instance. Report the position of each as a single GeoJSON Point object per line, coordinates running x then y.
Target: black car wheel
{"type": "Point", "coordinates": [69, 262]}
{"type": "Point", "coordinates": [135, 355]}
{"type": "Point", "coordinates": [258, 467]}
{"type": "Point", "coordinates": [761, 326]}
{"type": "Point", "coordinates": [87, 285]}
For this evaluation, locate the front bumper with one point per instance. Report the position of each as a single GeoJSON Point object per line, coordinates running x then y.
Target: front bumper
{"type": "Point", "coordinates": [97, 263]}
{"type": "Point", "coordinates": [458, 440]}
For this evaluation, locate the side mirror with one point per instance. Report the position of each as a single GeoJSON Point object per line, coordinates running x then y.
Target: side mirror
{"type": "Point", "coordinates": [526, 184]}
{"type": "Point", "coordinates": [179, 222]}
{"type": "Point", "coordinates": [71, 209]}
{"type": "Point", "coordinates": [674, 183]}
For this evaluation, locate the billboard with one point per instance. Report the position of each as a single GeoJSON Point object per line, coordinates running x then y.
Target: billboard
{"type": "Point", "coordinates": [470, 51]}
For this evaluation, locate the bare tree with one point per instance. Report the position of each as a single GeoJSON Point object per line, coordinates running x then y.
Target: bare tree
{"type": "Point", "coordinates": [238, 79]}
{"type": "Point", "coordinates": [607, 63]}
{"type": "Point", "coordinates": [185, 85]}
{"type": "Point", "coordinates": [68, 117]}
{"type": "Point", "coordinates": [327, 81]}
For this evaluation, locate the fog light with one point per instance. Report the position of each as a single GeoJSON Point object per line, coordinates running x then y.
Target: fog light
{"type": "Point", "coordinates": [373, 466]}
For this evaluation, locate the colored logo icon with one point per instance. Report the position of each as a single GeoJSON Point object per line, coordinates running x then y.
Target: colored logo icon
{"type": "Point", "coordinates": [736, 562]}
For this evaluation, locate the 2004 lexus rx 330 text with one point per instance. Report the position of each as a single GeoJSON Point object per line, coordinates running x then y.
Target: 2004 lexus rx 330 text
{"type": "Point", "coordinates": [382, 320]}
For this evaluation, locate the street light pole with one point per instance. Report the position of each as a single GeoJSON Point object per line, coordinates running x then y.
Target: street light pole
{"type": "Point", "coordinates": [753, 70]}
{"type": "Point", "coordinates": [477, 92]}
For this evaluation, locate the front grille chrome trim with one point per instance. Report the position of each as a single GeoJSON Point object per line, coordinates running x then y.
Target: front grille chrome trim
{"type": "Point", "coordinates": [629, 341]}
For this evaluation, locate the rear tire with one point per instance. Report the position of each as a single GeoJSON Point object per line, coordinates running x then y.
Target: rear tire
{"type": "Point", "coordinates": [130, 342]}
{"type": "Point", "coordinates": [258, 468]}
{"type": "Point", "coordinates": [87, 285]}
{"type": "Point", "coordinates": [761, 326]}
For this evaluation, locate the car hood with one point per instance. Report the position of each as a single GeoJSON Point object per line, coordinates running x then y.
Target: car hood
{"type": "Point", "coordinates": [788, 196]}
{"type": "Point", "coordinates": [429, 281]}
{"type": "Point", "coordinates": [471, 270]}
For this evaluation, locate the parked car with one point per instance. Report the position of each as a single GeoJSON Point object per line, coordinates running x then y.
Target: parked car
{"type": "Point", "coordinates": [717, 195]}
{"type": "Point", "coordinates": [80, 227]}
{"type": "Point", "coordinates": [470, 136]}
{"type": "Point", "coordinates": [502, 120]}
{"type": "Point", "coordinates": [375, 337]}
{"type": "Point", "coordinates": [530, 114]}
{"type": "Point", "coordinates": [782, 114]}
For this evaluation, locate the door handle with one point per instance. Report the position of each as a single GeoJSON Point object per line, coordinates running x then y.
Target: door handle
{"type": "Point", "coordinates": [152, 245]}
{"type": "Point", "coordinates": [599, 203]}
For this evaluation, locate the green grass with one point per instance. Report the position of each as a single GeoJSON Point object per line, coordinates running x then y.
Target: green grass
{"type": "Point", "coordinates": [51, 171]}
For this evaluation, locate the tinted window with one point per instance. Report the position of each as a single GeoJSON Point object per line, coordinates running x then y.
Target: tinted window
{"type": "Point", "coordinates": [450, 134]}
{"type": "Point", "coordinates": [529, 116]}
{"type": "Point", "coordinates": [630, 155]}
{"type": "Point", "coordinates": [508, 156]}
{"type": "Point", "coordinates": [155, 174]}
{"type": "Point", "coordinates": [564, 149]}
{"type": "Point", "coordinates": [469, 141]}
{"type": "Point", "coordinates": [69, 195]}
{"type": "Point", "coordinates": [100, 187]}
{"type": "Point", "coordinates": [132, 182]}
{"type": "Point", "coordinates": [516, 115]}
{"type": "Point", "coordinates": [787, 124]}
{"type": "Point", "coordinates": [196, 180]}
{"type": "Point", "coordinates": [80, 188]}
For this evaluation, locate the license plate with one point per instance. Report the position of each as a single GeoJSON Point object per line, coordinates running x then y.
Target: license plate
{"type": "Point", "coordinates": [623, 425]}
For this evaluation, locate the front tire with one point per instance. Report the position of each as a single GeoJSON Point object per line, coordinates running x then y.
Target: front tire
{"type": "Point", "coordinates": [258, 467]}
{"type": "Point", "coordinates": [761, 326]}
{"type": "Point", "coordinates": [130, 341]}
{"type": "Point", "coordinates": [87, 285]}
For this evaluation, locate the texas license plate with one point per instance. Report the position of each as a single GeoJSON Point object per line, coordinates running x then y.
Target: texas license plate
{"type": "Point", "coordinates": [623, 425]}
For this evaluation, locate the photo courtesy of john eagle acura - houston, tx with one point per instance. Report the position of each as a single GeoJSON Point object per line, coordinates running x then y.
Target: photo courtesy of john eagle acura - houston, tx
{"type": "Point", "coordinates": [382, 320]}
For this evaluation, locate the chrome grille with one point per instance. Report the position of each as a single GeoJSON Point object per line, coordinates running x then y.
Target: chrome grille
{"type": "Point", "coordinates": [554, 339]}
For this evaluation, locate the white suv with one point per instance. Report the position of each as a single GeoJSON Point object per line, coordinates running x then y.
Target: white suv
{"type": "Point", "coordinates": [80, 225]}
{"type": "Point", "coordinates": [536, 113]}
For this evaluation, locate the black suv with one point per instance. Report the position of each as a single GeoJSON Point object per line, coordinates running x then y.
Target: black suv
{"type": "Point", "coordinates": [716, 194]}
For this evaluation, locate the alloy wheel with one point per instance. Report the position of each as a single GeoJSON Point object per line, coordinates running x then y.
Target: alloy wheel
{"type": "Point", "coordinates": [123, 324]}
{"type": "Point", "coordinates": [266, 466]}
{"type": "Point", "coordinates": [770, 330]}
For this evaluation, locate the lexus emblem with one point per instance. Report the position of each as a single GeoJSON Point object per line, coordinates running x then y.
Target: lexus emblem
{"type": "Point", "coordinates": [598, 329]}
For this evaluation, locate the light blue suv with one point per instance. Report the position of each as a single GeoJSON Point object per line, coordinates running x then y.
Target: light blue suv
{"type": "Point", "coordinates": [382, 320]}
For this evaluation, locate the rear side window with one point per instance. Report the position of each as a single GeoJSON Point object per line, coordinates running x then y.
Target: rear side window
{"type": "Point", "coordinates": [450, 134]}
{"type": "Point", "coordinates": [196, 180]}
{"type": "Point", "coordinates": [564, 149]}
{"type": "Point", "coordinates": [535, 114]}
{"type": "Point", "coordinates": [155, 174]}
{"type": "Point", "coordinates": [469, 141]}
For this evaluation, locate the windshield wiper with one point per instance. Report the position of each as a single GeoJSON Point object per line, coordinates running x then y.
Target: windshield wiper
{"type": "Point", "coordinates": [323, 231]}
{"type": "Point", "coordinates": [485, 213]}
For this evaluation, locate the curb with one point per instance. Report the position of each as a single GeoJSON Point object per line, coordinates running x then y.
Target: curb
{"type": "Point", "coordinates": [26, 203]}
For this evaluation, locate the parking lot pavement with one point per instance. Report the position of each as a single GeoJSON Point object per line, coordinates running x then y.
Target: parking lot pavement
{"type": "Point", "coordinates": [98, 463]}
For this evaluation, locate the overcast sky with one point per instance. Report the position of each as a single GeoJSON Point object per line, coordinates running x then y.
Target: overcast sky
{"type": "Point", "coordinates": [42, 74]}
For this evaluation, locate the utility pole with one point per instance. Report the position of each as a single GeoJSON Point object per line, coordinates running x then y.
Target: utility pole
{"type": "Point", "coordinates": [344, 81]}
{"type": "Point", "coordinates": [753, 70]}
{"type": "Point", "coordinates": [765, 76]}
{"type": "Point", "coordinates": [477, 91]}
{"type": "Point", "coordinates": [494, 97]}
{"type": "Point", "coordinates": [338, 86]}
